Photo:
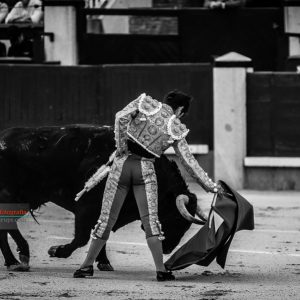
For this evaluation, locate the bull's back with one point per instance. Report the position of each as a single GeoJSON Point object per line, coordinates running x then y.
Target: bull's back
{"type": "Point", "coordinates": [53, 149]}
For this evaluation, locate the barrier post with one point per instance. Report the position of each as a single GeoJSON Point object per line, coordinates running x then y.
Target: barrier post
{"type": "Point", "coordinates": [292, 25]}
{"type": "Point", "coordinates": [229, 89]}
{"type": "Point", "coordinates": [60, 19]}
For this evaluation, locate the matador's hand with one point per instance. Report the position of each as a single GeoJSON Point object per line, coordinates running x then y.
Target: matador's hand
{"type": "Point", "coordinates": [218, 189]}
{"type": "Point", "coordinates": [120, 153]}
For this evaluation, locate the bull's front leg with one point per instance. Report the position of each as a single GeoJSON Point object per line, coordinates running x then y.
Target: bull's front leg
{"type": "Point", "coordinates": [11, 262]}
{"type": "Point", "coordinates": [83, 226]}
{"type": "Point", "coordinates": [103, 261]}
{"type": "Point", "coordinates": [9, 258]}
{"type": "Point", "coordinates": [85, 218]}
{"type": "Point", "coordinates": [64, 251]}
{"type": "Point", "coordinates": [22, 244]}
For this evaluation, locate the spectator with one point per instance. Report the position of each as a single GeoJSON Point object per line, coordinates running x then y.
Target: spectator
{"type": "Point", "coordinates": [212, 4]}
{"type": "Point", "coordinates": [26, 11]}
{"type": "Point", "coordinates": [3, 11]}
{"type": "Point", "coordinates": [20, 45]}
{"type": "Point", "coordinates": [264, 3]}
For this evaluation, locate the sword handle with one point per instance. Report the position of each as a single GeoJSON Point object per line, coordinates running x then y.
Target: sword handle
{"type": "Point", "coordinates": [79, 195]}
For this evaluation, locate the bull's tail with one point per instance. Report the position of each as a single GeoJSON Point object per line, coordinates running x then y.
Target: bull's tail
{"type": "Point", "coordinates": [33, 216]}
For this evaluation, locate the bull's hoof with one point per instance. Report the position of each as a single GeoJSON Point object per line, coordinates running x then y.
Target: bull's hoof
{"type": "Point", "coordinates": [52, 251]}
{"type": "Point", "coordinates": [24, 259]}
{"type": "Point", "coordinates": [58, 251]}
{"type": "Point", "coordinates": [105, 267]}
{"type": "Point", "coordinates": [18, 267]}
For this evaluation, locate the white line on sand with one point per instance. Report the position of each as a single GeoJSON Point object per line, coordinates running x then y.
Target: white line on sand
{"type": "Point", "coordinates": [263, 252]}
{"type": "Point", "coordinates": [55, 237]}
{"type": "Point", "coordinates": [56, 221]}
{"type": "Point", "coordinates": [144, 244]}
{"type": "Point", "coordinates": [277, 231]}
{"type": "Point", "coordinates": [255, 230]}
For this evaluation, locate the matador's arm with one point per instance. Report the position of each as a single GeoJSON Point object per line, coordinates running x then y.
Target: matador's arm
{"type": "Point", "coordinates": [123, 118]}
{"type": "Point", "coordinates": [187, 159]}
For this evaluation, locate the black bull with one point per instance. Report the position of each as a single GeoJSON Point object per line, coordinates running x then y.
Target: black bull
{"type": "Point", "coordinates": [44, 164]}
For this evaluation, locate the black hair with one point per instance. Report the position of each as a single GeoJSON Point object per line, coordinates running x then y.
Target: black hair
{"type": "Point", "coordinates": [176, 99]}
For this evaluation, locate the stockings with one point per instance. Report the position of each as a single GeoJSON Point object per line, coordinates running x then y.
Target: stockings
{"type": "Point", "coordinates": [153, 242]}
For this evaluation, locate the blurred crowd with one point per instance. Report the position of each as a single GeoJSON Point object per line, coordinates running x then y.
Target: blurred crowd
{"type": "Point", "coordinates": [23, 11]}
{"type": "Point", "coordinates": [16, 12]}
{"type": "Point", "coordinates": [20, 44]}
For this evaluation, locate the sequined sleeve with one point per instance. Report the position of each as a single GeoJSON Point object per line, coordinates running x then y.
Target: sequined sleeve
{"type": "Point", "coordinates": [191, 165]}
{"type": "Point", "coordinates": [122, 120]}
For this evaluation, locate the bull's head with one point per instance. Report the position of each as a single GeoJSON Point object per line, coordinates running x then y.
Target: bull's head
{"type": "Point", "coordinates": [177, 206]}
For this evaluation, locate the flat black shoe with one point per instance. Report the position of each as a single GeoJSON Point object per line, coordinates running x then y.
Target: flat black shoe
{"type": "Point", "coordinates": [164, 276]}
{"type": "Point", "coordinates": [84, 272]}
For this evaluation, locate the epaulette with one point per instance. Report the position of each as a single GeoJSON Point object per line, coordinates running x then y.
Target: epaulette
{"type": "Point", "coordinates": [148, 105]}
{"type": "Point", "coordinates": [176, 129]}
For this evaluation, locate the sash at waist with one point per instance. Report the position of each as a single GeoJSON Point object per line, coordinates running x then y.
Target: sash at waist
{"type": "Point", "coordinates": [135, 148]}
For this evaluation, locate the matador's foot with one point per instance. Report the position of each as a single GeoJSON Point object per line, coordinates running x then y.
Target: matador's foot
{"type": "Point", "coordinates": [164, 276]}
{"type": "Point", "coordinates": [18, 267]}
{"type": "Point", "coordinates": [84, 272]}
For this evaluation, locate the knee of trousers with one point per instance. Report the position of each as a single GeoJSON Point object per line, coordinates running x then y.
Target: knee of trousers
{"type": "Point", "coordinates": [152, 226]}
{"type": "Point", "coordinates": [102, 230]}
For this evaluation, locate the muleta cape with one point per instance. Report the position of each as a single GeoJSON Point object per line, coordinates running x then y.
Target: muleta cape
{"type": "Point", "coordinates": [230, 212]}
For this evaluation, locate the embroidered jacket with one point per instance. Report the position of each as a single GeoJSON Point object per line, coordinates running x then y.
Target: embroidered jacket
{"type": "Point", "coordinates": [154, 126]}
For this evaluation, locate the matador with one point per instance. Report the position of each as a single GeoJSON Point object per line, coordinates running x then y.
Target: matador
{"type": "Point", "coordinates": [144, 129]}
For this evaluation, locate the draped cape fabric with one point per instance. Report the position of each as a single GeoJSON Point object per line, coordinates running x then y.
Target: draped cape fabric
{"type": "Point", "coordinates": [229, 213]}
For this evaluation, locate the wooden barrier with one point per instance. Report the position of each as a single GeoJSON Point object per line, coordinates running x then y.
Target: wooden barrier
{"type": "Point", "coordinates": [52, 95]}
{"type": "Point", "coordinates": [273, 114]}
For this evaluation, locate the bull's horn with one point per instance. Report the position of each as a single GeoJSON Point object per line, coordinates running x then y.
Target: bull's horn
{"type": "Point", "coordinates": [201, 214]}
{"type": "Point", "coordinates": [181, 202]}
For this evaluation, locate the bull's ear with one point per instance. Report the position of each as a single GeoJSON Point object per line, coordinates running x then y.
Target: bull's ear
{"type": "Point", "coordinates": [178, 112]}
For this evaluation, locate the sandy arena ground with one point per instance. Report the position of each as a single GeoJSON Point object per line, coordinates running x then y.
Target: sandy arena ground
{"type": "Point", "coordinates": [262, 264]}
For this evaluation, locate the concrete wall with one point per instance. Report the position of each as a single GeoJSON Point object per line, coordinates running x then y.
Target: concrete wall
{"type": "Point", "coordinates": [229, 81]}
{"type": "Point", "coordinates": [292, 25]}
{"type": "Point", "coordinates": [121, 24]}
{"type": "Point", "coordinates": [274, 178]}
{"type": "Point", "coordinates": [61, 20]}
